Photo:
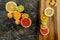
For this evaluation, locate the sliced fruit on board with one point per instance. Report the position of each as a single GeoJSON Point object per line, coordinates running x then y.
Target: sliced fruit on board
{"type": "Point", "coordinates": [17, 22]}
{"type": "Point", "coordinates": [43, 26]}
{"type": "Point", "coordinates": [20, 8]}
{"type": "Point", "coordinates": [44, 31]}
{"type": "Point", "coordinates": [44, 18]}
{"type": "Point", "coordinates": [11, 6]}
{"type": "Point", "coordinates": [25, 15]}
{"type": "Point", "coordinates": [44, 22]}
{"type": "Point", "coordinates": [17, 15]}
{"type": "Point", "coordinates": [49, 11]}
{"type": "Point", "coordinates": [10, 15]}
{"type": "Point", "coordinates": [26, 22]}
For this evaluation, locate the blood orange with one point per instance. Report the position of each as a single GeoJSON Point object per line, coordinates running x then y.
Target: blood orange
{"type": "Point", "coordinates": [44, 31]}
{"type": "Point", "coordinates": [26, 22]}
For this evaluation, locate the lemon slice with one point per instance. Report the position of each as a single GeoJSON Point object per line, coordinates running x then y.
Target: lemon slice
{"type": "Point", "coordinates": [9, 15]}
{"type": "Point", "coordinates": [44, 18]}
{"type": "Point", "coordinates": [49, 12]}
{"type": "Point", "coordinates": [17, 15]}
{"type": "Point", "coordinates": [11, 6]}
{"type": "Point", "coordinates": [20, 8]}
{"type": "Point", "coordinates": [25, 15]}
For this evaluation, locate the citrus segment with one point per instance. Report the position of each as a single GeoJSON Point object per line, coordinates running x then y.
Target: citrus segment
{"type": "Point", "coordinates": [20, 8]}
{"type": "Point", "coordinates": [26, 22]}
{"type": "Point", "coordinates": [17, 15]}
{"type": "Point", "coordinates": [9, 15]}
{"type": "Point", "coordinates": [11, 6]}
{"type": "Point", "coordinates": [17, 22]}
{"type": "Point", "coordinates": [25, 15]}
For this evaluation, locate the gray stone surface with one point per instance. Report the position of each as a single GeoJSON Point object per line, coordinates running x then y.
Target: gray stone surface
{"type": "Point", "coordinates": [31, 7]}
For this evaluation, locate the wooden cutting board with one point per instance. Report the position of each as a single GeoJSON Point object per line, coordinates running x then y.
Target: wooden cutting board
{"type": "Point", "coordinates": [52, 24]}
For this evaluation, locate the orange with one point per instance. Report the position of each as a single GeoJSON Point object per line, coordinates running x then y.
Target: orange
{"type": "Point", "coordinates": [17, 15]}
{"type": "Point", "coordinates": [9, 15]}
{"type": "Point", "coordinates": [44, 18]}
{"type": "Point", "coordinates": [17, 22]}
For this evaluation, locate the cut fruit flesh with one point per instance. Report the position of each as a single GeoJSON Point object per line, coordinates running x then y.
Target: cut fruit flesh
{"type": "Point", "coordinates": [17, 15]}
{"type": "Point", "coordinates": [25, 15]}
{"type": "Point", "coordinates": [17, 22]}
{"type": "Point", "coordinates": [11, 6]}
{"type": "Point", "coordinates": [44, 31]}
{"type": "Point", "coordinates": [26, 22]}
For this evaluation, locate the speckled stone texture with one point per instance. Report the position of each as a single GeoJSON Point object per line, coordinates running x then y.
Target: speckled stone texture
{"type": "Point", "coordinates": [20, 33]}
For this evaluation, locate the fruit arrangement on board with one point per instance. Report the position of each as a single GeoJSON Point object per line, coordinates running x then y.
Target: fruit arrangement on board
{"type": "Point", "coordinates": [48, 12]}
{"type": "Point", "coordinates": [16, 12]}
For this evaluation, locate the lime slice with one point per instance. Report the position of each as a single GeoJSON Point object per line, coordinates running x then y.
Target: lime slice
{"type": "Point", "coordinates": [20, 8]}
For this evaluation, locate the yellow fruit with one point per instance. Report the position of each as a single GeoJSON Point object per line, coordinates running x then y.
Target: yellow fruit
{"type": "Point", "coordinates": [17, 22]}
{"type": "Point", "coordinates": [9, 15]}
{"type": "Point", "coordinates": [44, 18]}
{"type": "Point", "coordinates": [25, 15]}
{"type": "Point", "coordinates": [11, 6]}
{"type": "Point", "coordinates": [17, 15]}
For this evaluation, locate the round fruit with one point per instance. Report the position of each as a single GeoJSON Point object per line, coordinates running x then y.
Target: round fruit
{"type": "Point", "coordinates": [49, 12]}
{"type": "Point", "coordinates": [44, 22]}
{"type": "Point", "coordinates": [44, 18]}
{"type": "Point", "coordinates": [25, 15]}
{"type": "Point", "coordinates": [11, 6]}
{"type": "Point", "coordinates": [17, 15]}
{"type": "Point", "coordinates": [44, 31]}
{"type": "Point", "coordinates": [9, 15]}
{"type": "Point", "coordinates": [20, 8]}
{"type": "Point", "coordinates": [43, 26]}
{"type": "Point", "coordinates": [17, 22]}
{"type": "Point", "coordinates": [26, 22]}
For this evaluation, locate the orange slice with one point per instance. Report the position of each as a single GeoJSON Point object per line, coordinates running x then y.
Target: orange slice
{"type": "Point", "coordinates": [44, 18]}
{"type": "Point", "coordinates": [17, 22]}
{"type": "Point", "coordinates": [9, 15]}
{"type": "Point", "coordinates": [25, 15]}
{"type": "Point", "coordinates": [17, 15]}
{"type": "Point", "coordinates": [11, 6]}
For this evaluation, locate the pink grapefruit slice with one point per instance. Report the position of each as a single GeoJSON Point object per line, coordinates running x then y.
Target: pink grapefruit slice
{"type": "Point", "coordinates": [26, 22]}
{"type": "Point", "coordinates": [44, 31]}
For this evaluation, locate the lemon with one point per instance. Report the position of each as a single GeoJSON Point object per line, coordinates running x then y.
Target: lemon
{"type": "Point", "coordinates": [25, 15]}
{"type": "Point", "coordinates": [20, 8]}
{"type": "Point", "coordinates": [11, 6]}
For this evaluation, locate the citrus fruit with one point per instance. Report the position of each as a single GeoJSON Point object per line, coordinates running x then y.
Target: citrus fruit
{"type": "Point", "coordinates": [9, 15]}
{"type": "Point", "coordinates": [17, 15]}
{"type": "Point", "coordinates": [44, 22]}
{"type": "Point", "coordinates": [49, 12]}
{"type": "Point", "coordinates": [26, 22]}
{"type": "Point", "coordinates": [44, 18]}
{"type": "Point", "coordinates": [17, 22]}
{"type": "Point", "coordinates": [11, 6]}
{"type": "Point", "coordinates": [44, 31]}
{"type": "Point", "coordinates": [43, 26]}
{"type": "Point", "coordinates": [20, 8]}
{"type": "Point", "coordinates": [25, 15]}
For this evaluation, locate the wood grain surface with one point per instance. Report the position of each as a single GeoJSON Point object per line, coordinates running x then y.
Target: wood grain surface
{"type": "Point", "coordinates": [52, 23]}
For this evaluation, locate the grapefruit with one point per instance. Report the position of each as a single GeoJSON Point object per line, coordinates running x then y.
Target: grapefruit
{"type": "Point", "coordinates": [26, 22]}
{"type": "Point", "coordinates": [9, 15]}
{"type": "Point", "coordinates": [11, 6]}
{"type": "Point", "coordinates": [20, 8]}
{"type": "Point", "coordinates": [44, 31]}
{"type": "Point", "coordinates": [49, 12]}
{"type": "Point", "coordinates": [25, 15]}
{"type": "Point", "coordinates": [17, 15]}
{"type": "Point", "coordinates": [44, 18]}
{"type": "Point", "coordinates": [17, 22]}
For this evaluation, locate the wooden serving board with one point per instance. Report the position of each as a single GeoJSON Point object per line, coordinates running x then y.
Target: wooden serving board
{"type": "Point", "coordinates": [52, 24]}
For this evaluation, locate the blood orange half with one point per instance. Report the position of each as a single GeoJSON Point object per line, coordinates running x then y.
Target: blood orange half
{"type": "Point", "coordinates": [44, 31]}
{"type": "Point", "coordinates": [26, 22]}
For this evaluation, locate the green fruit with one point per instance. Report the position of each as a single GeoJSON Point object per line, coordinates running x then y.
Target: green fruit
{"type": "Point", "coordinates": [43, 26]}
{"type": "Point", "coordinates": [44, 22]}
{"type": "Point", "coordinates": [20, 8]}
